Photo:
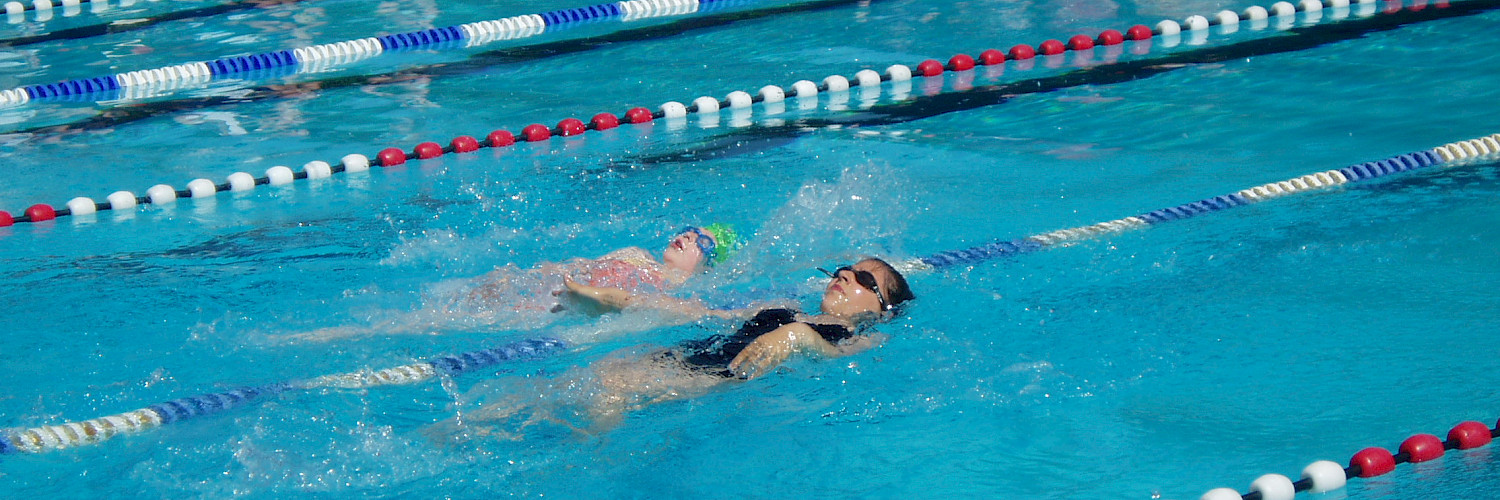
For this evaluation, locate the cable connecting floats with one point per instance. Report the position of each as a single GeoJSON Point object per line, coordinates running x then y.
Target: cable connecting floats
{"type": "Point", "coordinates": [98, 430]}
{"type": "Point", "coordinates": [143, 84]}
{"type": "Point", "coordinates": [1324, 475]}
{"type": "Point", "coordinates": [1448, 153]}
{"type": "Point", "coordinates": [867, 85]}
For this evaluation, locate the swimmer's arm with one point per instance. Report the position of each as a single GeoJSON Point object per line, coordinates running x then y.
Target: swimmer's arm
{"type": "Point", "coordinates": [771, 349]}
{"type": "Point", "coordinates": [604, 296]}
{"type": "Point", "coordinates": [617, 298]}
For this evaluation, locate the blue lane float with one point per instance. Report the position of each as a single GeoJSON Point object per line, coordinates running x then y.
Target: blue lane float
{"type": "Point", "coordinates": [581, 14]}
{"type": "Point", "coordinates": [239, 64]}
{"type": "Point", "coordinates": [420, 38]}
{"type": "Point", "coordinates": [72, 87]}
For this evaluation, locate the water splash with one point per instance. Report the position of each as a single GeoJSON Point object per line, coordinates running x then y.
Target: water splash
{"type": "Point", "coordinates": [864, 211]}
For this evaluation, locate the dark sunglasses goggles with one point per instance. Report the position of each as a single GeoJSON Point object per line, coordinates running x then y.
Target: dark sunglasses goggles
{"type": "Point", "coordinates": [863, 278]}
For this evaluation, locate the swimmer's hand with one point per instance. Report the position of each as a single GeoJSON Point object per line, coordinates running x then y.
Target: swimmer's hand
{"type": "Point", "coordinates": [770, 350]}
{"type": "Point", "coordinates": [604, 296]}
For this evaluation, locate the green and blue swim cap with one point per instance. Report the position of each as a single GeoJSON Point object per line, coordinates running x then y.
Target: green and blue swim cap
{"type": "Point", "coordinates": [717, 241]}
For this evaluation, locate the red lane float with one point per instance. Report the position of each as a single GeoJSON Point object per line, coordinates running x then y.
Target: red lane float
{"type": "Point", "coordinates": [1469, 434]}
{"type": "Point", "coordinates": [991, 56]}
{"type": "Point", "coordinates": [1111, 37]}
{"type": "Point", "coordinates": [639, 115]}
{"type": "Point", "coordinates": [464, 144]}
{"type": "Point", "coordinates": [428, 150]}
{"type": "Point", "coordinates": [961, 62]}
{"type": "Point", "coordinates": [930, 67]}
{"type": "Point", "coordinates": [1138, 32]}
{"type": "Point", "coordinates": [570, 127]}
{"type": "Point", "coordinates": [1422, 447]}
{"type": "Point", "coordinates": [500, 138]}
{"type": "Point", "coordinates": [1022, 52]}
{"type": "Point", "coordinates": [391, 156]}
{"type": "Point", "coordinates": [536, 132]}
{"type": "Point", "coordinates": [1373, 461]}
{"type": "Point", "coordinates": [604, 121]}
{"type": "Point", "coordinates": [40, 212]}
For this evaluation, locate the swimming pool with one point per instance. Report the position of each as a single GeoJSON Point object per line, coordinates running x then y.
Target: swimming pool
{"type": "Point", "coordinates": [1164, 361]}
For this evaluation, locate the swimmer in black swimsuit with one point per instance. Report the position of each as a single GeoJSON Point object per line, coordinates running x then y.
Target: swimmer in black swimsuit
{"type": "Point", "coordinates": [601, 394]}
{"type": "Point", "coordinates": [714, 354]}
{"type": "Point", "coordinates": [869, 289]}
{"type": "Point", "coordinates": [859, 295]}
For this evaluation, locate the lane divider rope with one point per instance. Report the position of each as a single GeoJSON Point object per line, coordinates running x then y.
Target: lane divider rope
{"type": "Point", "coordinates": [1470, 149]}
{"type": "Point", "coordinates": [98, 430]}
{"type": "Point", "coordinates": [119, 26]}
{"type": "Point", "coordinates": [739, 104]}
{"type": "Point", "coordinates": [148, 83]}
{"type": "Point", "coordinates": [1325, 475]}
{"type": "Point", "coordinates": [142, 84]}
{"type": "Point", "coordinates": [15, 12]}
{"type": "Point", "coordinates": [44, 10]}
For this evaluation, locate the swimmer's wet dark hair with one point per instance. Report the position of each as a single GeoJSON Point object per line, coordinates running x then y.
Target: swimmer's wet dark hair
{"type": "Point", "coordinates": [897, 291]}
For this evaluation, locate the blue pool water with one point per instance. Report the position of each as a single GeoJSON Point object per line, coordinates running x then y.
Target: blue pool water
{"type": "Point", "coordinates": [1155, 363]}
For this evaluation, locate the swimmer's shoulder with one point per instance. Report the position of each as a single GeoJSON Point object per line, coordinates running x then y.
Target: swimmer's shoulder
{"type": "Point", "coordinates": [635, 255]}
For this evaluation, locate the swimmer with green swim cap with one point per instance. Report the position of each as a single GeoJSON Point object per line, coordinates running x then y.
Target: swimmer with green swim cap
{"type": "Point", "coordinates": [691, 251]}
{"type": "Point", "coordinates": [725, 243]}
{"type": "Point", "coordinates": [527, 298]}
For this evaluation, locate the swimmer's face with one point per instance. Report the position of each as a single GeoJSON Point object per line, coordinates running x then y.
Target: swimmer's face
{"type": "Point", "coordinates": [683, 252]}
{"type": "Point", "coordinates": [846, 296]}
